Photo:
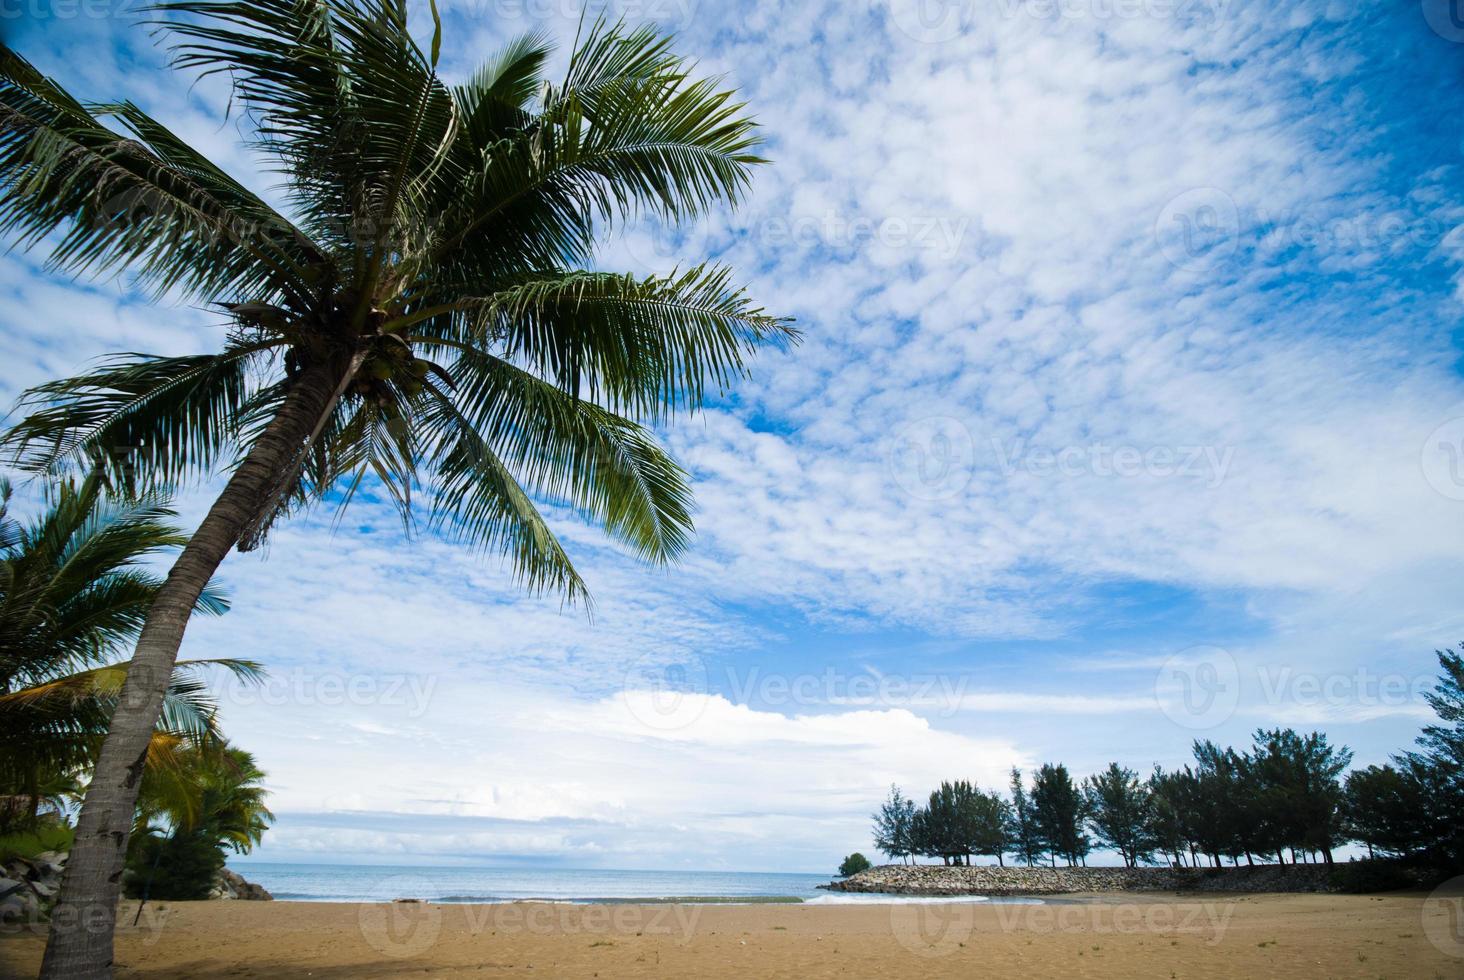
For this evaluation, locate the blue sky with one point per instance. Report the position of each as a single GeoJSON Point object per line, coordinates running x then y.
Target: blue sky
{"type": "Point", "coordinates": [1123, 417]}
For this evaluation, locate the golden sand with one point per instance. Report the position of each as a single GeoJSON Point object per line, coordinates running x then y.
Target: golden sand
{"type": "Point", "coordinates": [1403, 936]}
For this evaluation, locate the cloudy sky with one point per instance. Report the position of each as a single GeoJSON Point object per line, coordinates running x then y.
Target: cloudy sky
{"type": "Point", "coordinates": [1129, 411]}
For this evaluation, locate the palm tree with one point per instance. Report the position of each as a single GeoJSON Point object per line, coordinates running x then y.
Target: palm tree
{"type": "Point", "coordinates": [74, 594]}
{"type": "Point", "coordinates": [213, 788]}
{"type": "Point", "coordinates": [212, 798]}
{"type": "Point", "coordinates": [425, 317]}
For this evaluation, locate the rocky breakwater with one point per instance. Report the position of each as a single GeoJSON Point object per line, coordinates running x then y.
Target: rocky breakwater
{"type": "Point", "coordinates": [938, 880]}
{"type": "Point", "coordinates": [27, 885]}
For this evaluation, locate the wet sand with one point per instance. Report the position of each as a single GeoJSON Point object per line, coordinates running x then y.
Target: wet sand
{"type": "Point", "coordinates": [1400, 935]}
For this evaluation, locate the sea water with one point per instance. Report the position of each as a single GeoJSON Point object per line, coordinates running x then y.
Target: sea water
{"type": "Point", "coordinates": [367, 883]}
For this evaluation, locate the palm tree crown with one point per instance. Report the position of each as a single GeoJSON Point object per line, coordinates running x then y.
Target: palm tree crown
{"type": "Point", "coordinates": [426, 317]}
{"type": "Point", "coordinates": [434, 270]}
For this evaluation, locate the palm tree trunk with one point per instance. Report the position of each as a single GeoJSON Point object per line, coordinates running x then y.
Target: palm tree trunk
{"type": "Point", "coordinates": [80, 942]}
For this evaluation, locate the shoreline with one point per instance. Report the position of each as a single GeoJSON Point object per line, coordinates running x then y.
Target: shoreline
{"type": "Point", "coordinates": [1109, 935]}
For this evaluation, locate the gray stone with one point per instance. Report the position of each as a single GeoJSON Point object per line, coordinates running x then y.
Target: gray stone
{"type": "Point", "coordinates": [926, 879]}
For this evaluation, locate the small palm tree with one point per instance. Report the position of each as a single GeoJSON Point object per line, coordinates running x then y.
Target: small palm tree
{"type": "Point", "coordinates": [426, 317]}
{"type": "Point", "coordinates": [73, 595]}
{"type": "Point", "coordinates": [188, 813]}
{"type": "Point", "coordinates": [211, 788]}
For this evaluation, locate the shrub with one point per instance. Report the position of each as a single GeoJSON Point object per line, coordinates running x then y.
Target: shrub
{"type": "Point", "coordinates": [1359, 877]}
{"type": "Point", "coordinates": [181, 867]}
{"type": "Point", "coordinates": [29, 843]}
{"type": "Point", "coordinates": [853, 864]}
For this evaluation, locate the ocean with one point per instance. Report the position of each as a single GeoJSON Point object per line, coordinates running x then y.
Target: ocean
{"type": "Point", "coordinates": [357, 883]}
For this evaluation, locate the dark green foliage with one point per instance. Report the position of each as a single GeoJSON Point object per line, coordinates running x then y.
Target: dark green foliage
{"type": "Point", "coordinates": [1121, 812]}
{"type": "Point", "coordinates": [1060, 812]}
{"type": "Point", "coordinates": [74, 589]}
{"type": "Point", "coordinates": [180, 867]}
{"type": "Point", "coordinates": [28, 843]}
{"type": "Point", "coordinates": [1285, 796]}
{"type": "Point", "coordinates": [1437, 771]}
{"type": "Point", "coordinates": [853, 864]}
{"type": "Point", "coordinates": [1023, 827]}
{"type": "Point", "coordinates": [961, 821]}
{"type": "Point", "coordinates": [894, 825]}
{"type": "Point", "coordinates": [1365, 877]}
{"type": "Point", "coordinates": [1382, 809]}
{"type": "Point", "coordinates": [1298, 780]}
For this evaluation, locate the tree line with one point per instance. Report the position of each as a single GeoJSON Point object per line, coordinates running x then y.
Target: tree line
{"type": "Point", "coordinates": [1286, 794]}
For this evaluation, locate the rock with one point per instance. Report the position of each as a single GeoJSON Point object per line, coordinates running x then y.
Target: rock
{"type": "Point", "coordinates": [231, 885]}
{"type": "Point", "coordinates": [926, 879]}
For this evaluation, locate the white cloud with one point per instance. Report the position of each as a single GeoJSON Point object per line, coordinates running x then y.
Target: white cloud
{"type": "Point", "coordinates": [990, 230]}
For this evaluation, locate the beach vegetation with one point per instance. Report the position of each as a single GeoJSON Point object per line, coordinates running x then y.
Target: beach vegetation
{"type": "Point", "coordinates": [1287, 798]}
{"type": "Point", "coordinates": [208, 802]}
{"type": "Point", "coordinates": [75, 588]}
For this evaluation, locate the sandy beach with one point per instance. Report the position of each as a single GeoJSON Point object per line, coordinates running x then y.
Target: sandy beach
{"type": "Point", "coordinates": [1093, 936]}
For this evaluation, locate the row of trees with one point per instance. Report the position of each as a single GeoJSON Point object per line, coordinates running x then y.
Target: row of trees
{"type": "Point", "coordinates": [1285, 794]}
